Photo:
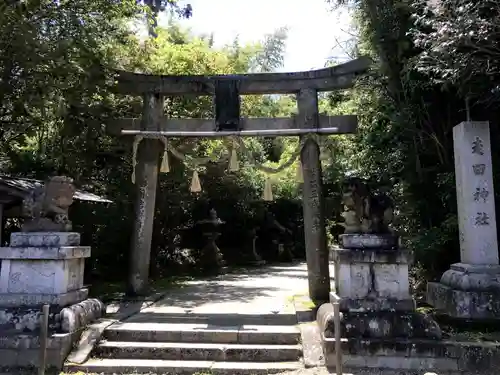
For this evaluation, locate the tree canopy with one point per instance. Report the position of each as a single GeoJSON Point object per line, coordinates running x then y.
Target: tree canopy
{"type": "Point", "coordinates": [433, 68]}
{"type": "Point", "coordinates": [430, 58]}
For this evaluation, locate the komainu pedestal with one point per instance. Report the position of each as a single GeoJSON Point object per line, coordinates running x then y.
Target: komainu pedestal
{"type": "Point", "coordinates": [378, 317]}
{"type": "Point", "coordinates": [379, 324]}
{"type": "Point", "coordinates": [42, 267]}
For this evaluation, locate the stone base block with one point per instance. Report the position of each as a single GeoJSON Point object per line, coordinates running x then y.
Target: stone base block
{"type": "Point", "coordinates": [20, 340]}
{"type": "Point", "coordinates": [26, 319]}
{"type": "Point", "coordinates": [415, 354]}
{"type": "Point", "coordinates": [369, 241]}
{"type": "Point", "coordinates": [378, 324]}
{"type": "Point", "coordinates": [472, 277]}
{"type": "Point", "coordinates": [475, 305]}
{"type": "Point", "coordinates": [43, 253]}
{"type": "Point", "coordinates": [44, 239]}
{"type": "Point", "coordinates": [344, 256]}
{"type": "Point", "coordinates": [25, 299]}
{"type": "Point", "coordinates": [19, 352]}
{"type": "Point", "coordinates": [42, 270]}
{"type": "Point", "coordinates": [377, 304]}
{"type": "Point", "coordinates": [372, 274]}
{"type": "Point", "coordinates": [391, 354]}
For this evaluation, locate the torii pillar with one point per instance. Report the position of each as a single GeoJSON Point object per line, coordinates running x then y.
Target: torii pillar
{"type": "Point", "coordinates": [318, 270]}
{"type": "Point", "coordinates": [146, 180]}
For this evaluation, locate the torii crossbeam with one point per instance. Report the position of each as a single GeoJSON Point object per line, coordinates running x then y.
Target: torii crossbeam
{"type": "Point", "coordinates": [226, 90]}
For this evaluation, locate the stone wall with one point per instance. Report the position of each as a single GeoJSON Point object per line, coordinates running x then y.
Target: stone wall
{"type": "Point", "coordinates": [22, 352]}
{"type": "Point", "coordinates": [430, 355]}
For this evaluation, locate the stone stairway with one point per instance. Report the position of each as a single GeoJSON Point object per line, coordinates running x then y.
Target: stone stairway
{"type": "Point", "coordinates": [198, 344]}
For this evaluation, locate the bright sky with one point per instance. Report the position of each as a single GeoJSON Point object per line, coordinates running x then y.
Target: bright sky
{"type": "Point", "coordinates": [313, 28]}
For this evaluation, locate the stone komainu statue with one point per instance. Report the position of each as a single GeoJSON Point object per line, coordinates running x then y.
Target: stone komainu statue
{"type": "Point", "coordinates": [365, 212]}
{"type": "Point", "coordinates": [46, 208]}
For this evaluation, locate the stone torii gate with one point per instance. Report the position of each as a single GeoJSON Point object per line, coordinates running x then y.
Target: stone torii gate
{"type": "Point", "coordinates": [226, 90]}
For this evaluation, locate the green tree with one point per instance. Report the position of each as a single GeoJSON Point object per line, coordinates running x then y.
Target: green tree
{"type": "Point", "coordinates": [58, 62]}
{"type": "Point", "coordinates": [271, 56]}
{"type": "Point", "coordinates": [460, 45]}
{"type": "Point", "coordinates": [404, 142]}
{"type": "Point", "coordinates": [49, 53]}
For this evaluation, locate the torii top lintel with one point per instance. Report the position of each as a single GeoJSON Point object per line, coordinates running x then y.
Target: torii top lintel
{"type": "Point", "coordinates": [328, 79]}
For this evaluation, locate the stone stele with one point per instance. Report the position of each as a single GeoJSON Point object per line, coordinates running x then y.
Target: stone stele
{"type": "Point", "coordinates": [471, 289]}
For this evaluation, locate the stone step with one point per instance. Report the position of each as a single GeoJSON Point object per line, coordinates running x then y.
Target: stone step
{"type": "Point", "coordinates": [219, 319]}
{"type": "Point", "coordinates": [203, 333]}
{"type": "Point", "coordinates": [144, 366]}
{"type": "Point", "coordinates": [198, 351]}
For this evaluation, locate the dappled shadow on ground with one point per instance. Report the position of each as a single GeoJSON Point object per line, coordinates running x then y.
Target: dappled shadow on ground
{"type": "Point", "coordinates": [192, 296]}
{"type": "Point", "coordinates": [266, 275]}
{"type": "Point", "coordinates": [292, 270]}
{"type": "Point", "coordinates": [300, 268]}
{"type": "Point", "coordinates": [265, 290]}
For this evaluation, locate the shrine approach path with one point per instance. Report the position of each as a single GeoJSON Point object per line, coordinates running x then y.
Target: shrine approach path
{"type": "Point", "coordinates": [254, 291]}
